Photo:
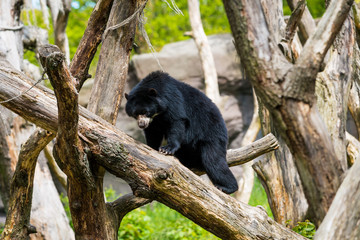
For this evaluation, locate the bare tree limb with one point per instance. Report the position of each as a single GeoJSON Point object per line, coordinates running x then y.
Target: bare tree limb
{"type": "Point", "coordinates": [126, 204]}
{"type": "Point", "coordinates": [17, 224]}
{"type": "Point", "coordinates": [5, 161]}
{"type": "Point", "coordinates": [60, 175]}
{"type": "Point", "coordinates": [68, 144]}
{"type": "Point", "coordinates": [206, 57]}
{"type": "Point", "coordinates": [291, 27]}
{"type": "Point", "coordinates": [307, 24]}
{"type": "Point", "coordinates": [86, 50]}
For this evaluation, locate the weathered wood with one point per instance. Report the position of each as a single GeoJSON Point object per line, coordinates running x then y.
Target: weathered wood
{"type": "Point", "coordinates": [307, 24]}
{"type": "Point", "coordinates": [86, 50]}
{"type": "Point", "coordinates": [354, 96]}
{"type": "Point", "coordinates": [5, 156]}
{"type": "Point", "coordinates": [247, 153]}
{"type": "Point", "coordinates": [352, 149]}
{"type": "Point", "coordinates": [126, 204]}
{"type": "Point", "coordinates": [55, 170]}
{"type": "Point", "coordinates": [149, 173]}
{"type": "Point", "coordinates": [342, 220]}
{"type": "Point", "coordinates": [288, 92]}
{"type": "Point", "coordinates": [280, 179]}
{"type": "Point", "coordinates": [87, 202]}
{"type": "Point", "coordinates": [333, 87]}
{"type": "Point", "coordinates": [114, 56]}
{"type": "Point", "coordinates": [290, 31]}
{"type": "Point", "coordinates": [246, 180]}
{"type": "Point", "coordinates": [206, 57]}
{"type": "Point", "coordinates": [17, 224]}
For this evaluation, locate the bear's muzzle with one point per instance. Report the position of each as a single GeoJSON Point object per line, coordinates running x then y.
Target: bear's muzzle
{"type": "Point", "coordinates": [143, 121]}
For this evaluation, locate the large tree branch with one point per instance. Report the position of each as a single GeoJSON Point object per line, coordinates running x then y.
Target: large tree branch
{"type": "Point", "coordinates": [68, 145]}
{"type": "Point", "coordinates": [150, 174]}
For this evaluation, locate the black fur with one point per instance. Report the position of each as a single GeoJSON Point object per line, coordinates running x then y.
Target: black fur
{"type": "Point", "coordinates": [190, 122]}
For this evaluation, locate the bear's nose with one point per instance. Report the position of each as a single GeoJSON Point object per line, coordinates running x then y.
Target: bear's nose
{"type": "Point", "coordinates": [143, 121]}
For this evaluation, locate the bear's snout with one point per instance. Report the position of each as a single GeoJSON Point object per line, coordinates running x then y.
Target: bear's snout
{"type": "Point", "coordinates": [143, 121]}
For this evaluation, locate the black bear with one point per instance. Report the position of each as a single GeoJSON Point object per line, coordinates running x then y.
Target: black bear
{"type": "Point", "coordinates": [188, 120]}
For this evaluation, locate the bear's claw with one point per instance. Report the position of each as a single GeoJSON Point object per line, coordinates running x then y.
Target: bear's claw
{"type": "Point", "coordinates": [167, 150]}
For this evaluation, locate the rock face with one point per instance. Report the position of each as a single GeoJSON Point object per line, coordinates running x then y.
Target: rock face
{"type": "Point", "coordinates": [181, 60]}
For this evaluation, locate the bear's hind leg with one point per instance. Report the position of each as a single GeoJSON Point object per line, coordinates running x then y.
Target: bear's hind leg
{"type": "Point", "coordinates": [214, 162]}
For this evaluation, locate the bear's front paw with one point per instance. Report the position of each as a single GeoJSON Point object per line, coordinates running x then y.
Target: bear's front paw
{"type": "Point", "coordinates": [167, 150]}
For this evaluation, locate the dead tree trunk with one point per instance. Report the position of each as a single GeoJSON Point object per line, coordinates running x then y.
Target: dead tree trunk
{"type": "Point", "coordinates": [288, 92]}
{"type": "Point", "coordinates": [206, 57]}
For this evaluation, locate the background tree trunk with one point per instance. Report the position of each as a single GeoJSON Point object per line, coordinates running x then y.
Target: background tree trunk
{"type": "Point", "coordinates": [288, 92]}
{"type": "Point", "coordinates": [206, 57]}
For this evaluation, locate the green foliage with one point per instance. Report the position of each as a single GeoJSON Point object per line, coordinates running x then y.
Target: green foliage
{"type": "Point", "coordinates": [135, 225]}
{"type": "Point", "coordinates": [164, 26]}
{"type": "Point", "coordinates": [259, 197]}
{"type": "Point", "coordinates": [158, 222]}
{"type": "Point", "coordinates": [306, 229]}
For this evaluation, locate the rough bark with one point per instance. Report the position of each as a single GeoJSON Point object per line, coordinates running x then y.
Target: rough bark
{"type": "Point", "coordinates": [307, 24]}
{"type": "Point", "coordinates": [290, 31]}
{"type": "Point", "coordinates": [87, 204]}
{"type": "Point", "coordinates": [206, 58]}
{"type": "Point", "coordinates": [288, 92]}
{"type": "Point", "coordinates": [5, 157]}
{"type": "Point", "coordinates": [333, 87]}
{"type": "Point", "coordinates": [123, 36]}
{"type": "Point", "coordinates": [353, 149]}
{"type": "Point", "coordinates": [354, 96]}
{"type": "Point", "coordinates": [86, 50]}
{"type": "Point", "coordinates": [246, 182]}
{"type": "Point", "coordinates": [280, 179]}
{"type": "Point", "coordinates": [115, 49]}
{"type": "Point", "coordinates": [343, 218]}
{"type": "Point", "coordinates": [150, 174]}
{"type": "Point", "coordinates": [17, 224]}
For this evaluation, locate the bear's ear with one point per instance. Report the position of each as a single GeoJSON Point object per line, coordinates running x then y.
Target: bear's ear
{"type": "Point", "coordinates": [152, 92]}
{"type": "Point", "coordinates": [126, 96]}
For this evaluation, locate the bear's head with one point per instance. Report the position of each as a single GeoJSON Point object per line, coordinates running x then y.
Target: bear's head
{"type": "Point", "coordinates": [143, 105]}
